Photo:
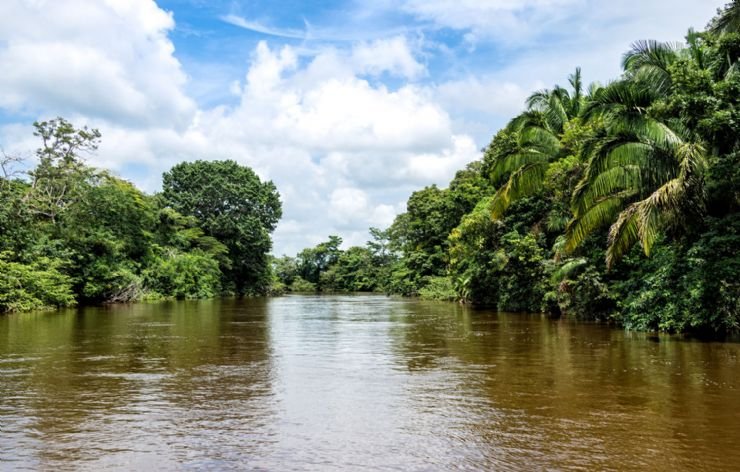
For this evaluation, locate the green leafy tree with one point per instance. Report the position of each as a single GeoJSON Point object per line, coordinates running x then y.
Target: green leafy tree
{"type": "Point", "coordinates": [644, 173]}
{"type": "Point", "coordinates": [520, 170]}
{"type": "Point", "coordinates": [232, 205]}
{"type": "Point", "coordinates": [727, 19]}
{"type": "Point", "coordinates": [109, 235]}
{"type": "Point", "coordinates": [61, 175]}
{"type": "Point", "coordinates": [34, 286]}
{"type": "Point", "coordinates": [312, 262]}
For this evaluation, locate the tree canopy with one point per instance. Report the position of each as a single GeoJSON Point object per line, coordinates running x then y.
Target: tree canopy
{"type": "Point", "coordinates": [231, 204]}
{"type": "Point", "coordinates": [72, 233]}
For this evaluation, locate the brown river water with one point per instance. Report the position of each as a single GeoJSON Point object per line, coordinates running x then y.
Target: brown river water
{"type": "Point", "coordinates": [357, 383]}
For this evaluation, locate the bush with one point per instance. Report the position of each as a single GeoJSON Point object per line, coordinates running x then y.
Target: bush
{"type": "Point", "coordinates": [439, 288]}
{"type": "Point", "coordinates": [185, 275]}
{"type": "Point", "coordinates": [687, 287]}
{"type": "Point", "coordinates": [302, 285]}
{"type": "Point", "coordinates": [33, 286]}
{"type": "Point", "coordinates": [586, 296]}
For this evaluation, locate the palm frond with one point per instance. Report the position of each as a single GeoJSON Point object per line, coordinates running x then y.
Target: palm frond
{"type": "Point", "coordinates": [524, 182]}
{"type": "Point", "coordinates": [598, 215]}
{"type": "Point", "coordinates": [540, 139]}
{"type": "Point", "coordinates": [623, 234]}
{"type": "Point", "coordinates": [650, 52]}
{"type": "Point", "coordinates": [505, 165]}
{"type": "Point", "coordinates": [567, 270]}
{"type": "Point", "coordinates": [728, 20]}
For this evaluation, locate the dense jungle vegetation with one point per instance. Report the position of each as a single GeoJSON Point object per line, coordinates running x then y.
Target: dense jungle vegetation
{"type": "Point", "coordinates": [615, 202]}
{"type": "Point", "coordinates": [75, 234]}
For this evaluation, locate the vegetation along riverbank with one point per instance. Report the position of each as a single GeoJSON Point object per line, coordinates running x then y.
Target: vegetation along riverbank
{"type": "Point", "coordinates": [615, 202]}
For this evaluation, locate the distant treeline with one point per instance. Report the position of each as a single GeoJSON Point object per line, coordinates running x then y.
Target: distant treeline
{"type": "Point", "coordinates": [615, 202]}
{"type": "Point", "coordinates": [70, 233]}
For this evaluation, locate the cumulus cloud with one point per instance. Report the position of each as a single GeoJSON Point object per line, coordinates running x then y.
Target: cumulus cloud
{"type": "Point", "coordinates": [538, 43]}
{"type": "Point", "coordinates": [342, 148]}
{"type": "Point", "coordinates": [346, 130]}
{"type": "Point", "coordinates": [108, 59]}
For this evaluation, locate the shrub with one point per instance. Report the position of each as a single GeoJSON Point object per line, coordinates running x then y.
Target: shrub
{"type": "Point", "coordinates": [33, 286]}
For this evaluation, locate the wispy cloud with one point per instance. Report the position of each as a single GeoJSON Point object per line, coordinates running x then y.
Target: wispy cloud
{"type": "Point", "coordinates": [313, 33]}
{"type": "Point", "coordinates": [260, 28]}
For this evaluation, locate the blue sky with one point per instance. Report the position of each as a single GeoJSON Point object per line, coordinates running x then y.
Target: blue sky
{"type": "Point", "coordinates": [348, 106]}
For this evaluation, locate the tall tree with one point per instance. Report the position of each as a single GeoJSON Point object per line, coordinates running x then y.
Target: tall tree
{"type": "Point", "coordinates": [232, 205]}
{"type": "Point", "coordinates": [539, 129]}
{"type": "Point", "coordinates": [61, 174]}
{"type": "Point", "coordinates": [644, 172]}
{"type": "Point", "coordinates": [727, 19]}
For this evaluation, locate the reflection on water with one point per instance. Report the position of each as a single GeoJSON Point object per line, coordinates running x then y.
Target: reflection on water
{"type": "Point", "coordinates": [356, 383]}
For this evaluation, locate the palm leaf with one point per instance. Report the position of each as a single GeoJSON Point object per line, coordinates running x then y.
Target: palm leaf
{"type": "Point", "coordinates": [623, 234]}
{"type": "Point", "coordinates": [524, 182]}
{"type": "Point", "coordinates": [728, 20]}
{"type": "Point", "coordinates": [598, 215]}
{"type": "Point", "coordinates": [509, 163]}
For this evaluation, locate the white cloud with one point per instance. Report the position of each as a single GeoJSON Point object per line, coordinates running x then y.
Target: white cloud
{"type": "Point", "coordinates": [552, 39]}
{"type": "Point", "coordinates": [485, 94]}
{"type": "Point", "coordinates": [391, 55]}
{"type": "Point", "coordinates": [506, 20]}
{"type": "Point", "coordinates": [260, 28]}
{"type": "Point", "coordinates": [344, 149]}
{"type": "Point", "coordinates": [348, 204]}
{"type": "Point", "coordinates": [520, 22]}
{"type": "Point", "coordinates": [107, 59]}
{"type": "Point", "coordinates": [341, 149]}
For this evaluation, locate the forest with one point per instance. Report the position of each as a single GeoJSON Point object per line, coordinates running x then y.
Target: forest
{"type": "Point", "coordinates": [613, 202]}
{"type": "Point", "coordinates": [73, 234]}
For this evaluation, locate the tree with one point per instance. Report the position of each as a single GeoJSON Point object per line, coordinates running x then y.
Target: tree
{"type": "Point", "coordinates": [33, 286]}
{"type": "Point", "coordinates": [108, 235]}
{"type": "Point", "coordinates": [643, 172]}
{"type": "Point", "coordinates": [61, 174]}
{"type": "Point", "coordinates": [312, 262]}
{"type": "Point", "coordinates": [521, 171]}
{"type": "Point", "coordinates": [727, 19]}
{"type": "Point", "coordinates": [232, 205]}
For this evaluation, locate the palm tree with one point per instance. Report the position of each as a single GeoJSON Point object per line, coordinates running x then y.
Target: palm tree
{"type": "Point", "coordinates": [642, 174]}
{"type": "Point", "coordinates": [539, 130]}
{"type": "Point", "coordinates": [649, 62]}
{"type": "Point", "coordinates": [727, 20]}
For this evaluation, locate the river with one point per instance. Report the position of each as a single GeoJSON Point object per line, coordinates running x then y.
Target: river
{"type": "Point", "coordinates": [356, 383]}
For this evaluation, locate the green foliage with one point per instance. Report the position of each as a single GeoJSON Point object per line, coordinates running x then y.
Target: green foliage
{"type": "Point", "coordinates": [326, 267]}
{"type": "Point", "coordinates": [687, 287]}
{"type": "Point", "coordinates": [540, 131]}
{"type": "Point", "coordinates": [301, 285]}
{"type": "Point", "coordinates": [108, 236]}
{"type": "Point", "coordinates": [33, 286]}
{"type": "Point", "coordinates": [232, 205]}
{"type": "Point", "coordinates": [284, 270]}
{"type": "Point", "coordinates": [15, 220]}
{"type": "Point", "coordinates": [73, 233]}
{"type": "Point", "coordinates": [312, 262]}
{"type": "Point", "coordinates": [356, 271]}
{"type": "Point", "coordinates": [439, 288]}
{"type": "Point", "coordinates": [578, 290]}
{"type": "Point", "coordinates": [185, 275]}
{"type": "Point", "coordinates": [495, 266]}
{"type": "Point", "coordinates": [727, 19]}
{"type": "Point", "coordinates": [61, 176]}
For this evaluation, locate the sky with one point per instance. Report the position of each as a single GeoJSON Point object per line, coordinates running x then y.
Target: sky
{"type": "Point", "coordinates": [348, 106]}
